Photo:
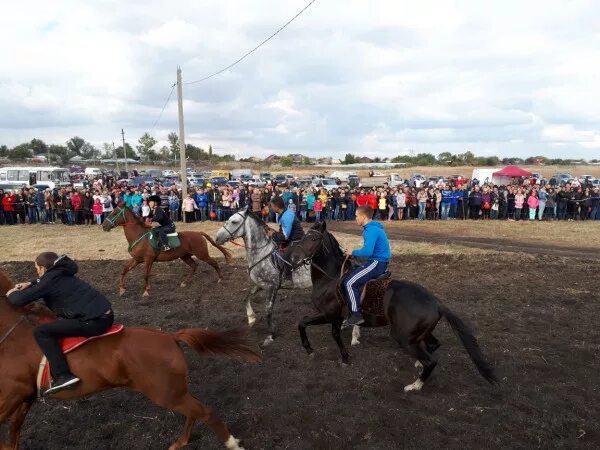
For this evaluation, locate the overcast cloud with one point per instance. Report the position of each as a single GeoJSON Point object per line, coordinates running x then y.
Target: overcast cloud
{"type": "Point", "coordinates": [378, 78]}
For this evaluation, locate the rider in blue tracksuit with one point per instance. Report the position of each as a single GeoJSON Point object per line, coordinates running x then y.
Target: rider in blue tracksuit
{"type": "Point", "coordinates": [376, 250]}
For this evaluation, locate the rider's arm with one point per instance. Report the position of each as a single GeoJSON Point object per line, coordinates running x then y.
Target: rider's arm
{"type": "Point", "coordinates": [368, 247]}
{"type": "Point", "coordinates": [28, 295]}
{"type": "Point", "coordinates": [286, 221]}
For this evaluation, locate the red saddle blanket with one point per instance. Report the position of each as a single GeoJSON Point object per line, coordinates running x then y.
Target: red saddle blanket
{"type": "Point", "coordinates": [68, 345]}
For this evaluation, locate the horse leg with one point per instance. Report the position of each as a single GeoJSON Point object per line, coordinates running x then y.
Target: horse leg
{"type": "Point", "coordinates": [147, 269]}
{"type": "Point", "coordinates": [17, 423]}
{"type": "Point", "coordinates": [271, 295]}
{"type": "Point", "coordinates": [336, 327]}
{"type": "Point", "coordinates": [432, 344]}
{"type": "Point", "coordinates": [193, 265]}
{"type": "Point", "coordinates": [247, 299]}
{"type": "Point", "coordinates": [130, 265]}
{"type": "Point", "coordinates": [355, 336]}
{"type": "Point", "coordinates": [314, 320]}
{"type": "Point", "coordinates": [213, 262]}
{"type": "Point", "coordinates": [428, 362]}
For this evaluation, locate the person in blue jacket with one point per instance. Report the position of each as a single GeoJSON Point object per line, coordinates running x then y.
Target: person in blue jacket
{"type": "Point", "coordinates": [376, 250]}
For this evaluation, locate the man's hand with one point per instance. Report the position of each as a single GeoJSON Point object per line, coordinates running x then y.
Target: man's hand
{"type": "Point", "coordinates": [19, 287]}
{"type": "Point", "coordinates": [270, 233]}
{"type": "Point", "coordinates": [347, 254]}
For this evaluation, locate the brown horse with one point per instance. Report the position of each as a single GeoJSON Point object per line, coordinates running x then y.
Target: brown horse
{"type": "Point", "coordinates": [141, 359]}
{"type": "Point", "coordinates": [140, 249]}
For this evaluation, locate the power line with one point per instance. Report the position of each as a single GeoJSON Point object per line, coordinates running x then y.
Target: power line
{"type": "Point", "coordinates": [280, 29]}
{"type": "Point", "coordinates": [163, 108]}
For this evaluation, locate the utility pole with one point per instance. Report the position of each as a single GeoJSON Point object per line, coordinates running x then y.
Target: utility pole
{"type": "Point", "coordinates": [124, 151]}
{"type": "Point", "coordinates": [181, 140]}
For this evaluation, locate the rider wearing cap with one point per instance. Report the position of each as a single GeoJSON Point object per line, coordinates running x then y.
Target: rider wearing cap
{"type": "Point", "coordinates": [166, 225]}
{"type": "Point", "coordinates": [82, 311]}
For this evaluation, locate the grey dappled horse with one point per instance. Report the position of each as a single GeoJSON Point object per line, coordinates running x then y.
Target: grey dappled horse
{"type": "Point", "coordinates": [263, 272]}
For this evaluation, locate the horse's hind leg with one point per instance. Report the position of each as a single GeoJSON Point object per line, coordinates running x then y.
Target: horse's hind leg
{"type": "Point", "coordinates": [431, 344]}
{"type": "Point", "coordinates": [213, 262]}
{"type": "Point", "coordinates": [130, 265]}
{"type": "Point", "coordinates": [417, 351]}
{"type": "Point", "coordinates": [193, 265]}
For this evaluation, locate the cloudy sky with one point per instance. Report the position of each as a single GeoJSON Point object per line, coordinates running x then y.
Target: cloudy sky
{"type": "Point", "coordinates": [374, 77]}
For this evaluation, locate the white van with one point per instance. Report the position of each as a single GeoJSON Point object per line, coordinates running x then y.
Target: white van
{"type": "Point", "coordinates": [94, 171]}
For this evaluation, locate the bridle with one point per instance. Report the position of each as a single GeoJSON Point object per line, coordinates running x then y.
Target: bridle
{"type": "Point", "coordinates": [232, 234]}
{"type": "Point", "coordinates": [120, 212]}
{"type": "Point", "coordinates": [308, 260]}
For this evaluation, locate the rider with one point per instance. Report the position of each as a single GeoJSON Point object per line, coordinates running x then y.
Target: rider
{"type": "Point", "coordinates": [82, 311]}
{"type": "Point", "coordinates": [290, 229]}
{"type": "Point", "coordinates": [376, 250]}
{"type": "Point", "coordinates": [165, 223]}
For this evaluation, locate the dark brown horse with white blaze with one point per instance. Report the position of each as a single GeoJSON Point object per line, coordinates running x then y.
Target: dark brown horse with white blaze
{"type": "Point", "coordinates": [411, 311]}
{"type": "Point", "coordinates": [144, 360]}
{"type": "Point", "coordinates": [137, 233]}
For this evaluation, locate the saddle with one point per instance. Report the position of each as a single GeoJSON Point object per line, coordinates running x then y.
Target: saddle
{"type": "Point", "coordinates": [68, 345]}
{"type": "Point", "coordinates": [173, 240]}
{"type": "Point", "coordinates": [371, 296]}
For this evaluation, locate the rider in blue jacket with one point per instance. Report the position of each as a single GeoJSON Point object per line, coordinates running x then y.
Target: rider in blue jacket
{"type": "Point", "coordinates": [376, 250]}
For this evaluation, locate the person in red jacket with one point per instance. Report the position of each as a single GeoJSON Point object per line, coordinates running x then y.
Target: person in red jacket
{"type": "Point", "coordinates": [361, 198]}
{"type": "Point", "coordinates": [372, 200]}
{"type": "Point", "coordinates": [8, 203]}
{"type": "Point", "coordinates": [77, 203]}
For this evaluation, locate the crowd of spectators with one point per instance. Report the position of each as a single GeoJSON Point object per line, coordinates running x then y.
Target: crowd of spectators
{"type": "Point", "coordinates": [91, 205]}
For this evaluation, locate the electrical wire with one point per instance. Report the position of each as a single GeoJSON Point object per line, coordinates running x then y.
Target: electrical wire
{"type": "Point", "coordinates": [163, 108]}
{"type": "Point", "coordinates": [280, 29]}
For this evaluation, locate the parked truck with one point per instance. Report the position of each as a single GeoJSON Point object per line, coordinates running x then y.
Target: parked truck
{"type": "Point", "coordinates": [392, 180]}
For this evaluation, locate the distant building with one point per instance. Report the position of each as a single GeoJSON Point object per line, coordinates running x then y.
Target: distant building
{"type": "Point", "coordinates": [296, 158]}
{"type": "Point", "coordinates": [273, 158]}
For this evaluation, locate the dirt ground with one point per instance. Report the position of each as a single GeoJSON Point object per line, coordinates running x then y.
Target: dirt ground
{"type": "Point", "coordinates": [536, 319]}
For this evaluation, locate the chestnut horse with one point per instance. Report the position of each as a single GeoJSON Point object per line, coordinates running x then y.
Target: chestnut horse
{"type": "Point", "coordinates": [140, 249]}
{"type": "Point", "coordinates": [144, 360]}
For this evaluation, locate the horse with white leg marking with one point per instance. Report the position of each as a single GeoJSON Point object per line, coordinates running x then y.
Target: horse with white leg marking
{"type": "Point", "coordinates": [411, 311]}
{"type": "Point", "coordinates": [262, 270]}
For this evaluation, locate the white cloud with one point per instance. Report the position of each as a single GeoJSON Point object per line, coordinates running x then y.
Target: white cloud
{"type": "Point", "coordinates": [373, 77]}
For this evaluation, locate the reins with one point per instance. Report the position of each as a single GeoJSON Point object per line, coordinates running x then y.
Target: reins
{"type": "Point", "coordinates": [309, 260]}
{"type": "Point", "coordinates": [11, 329]}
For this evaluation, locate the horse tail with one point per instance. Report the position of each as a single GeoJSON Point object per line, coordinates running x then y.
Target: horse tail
{"type": "Point", "coordinates": [469, 341]}
{"type": "Point", "coordinates": [223, 250]}
{"type": "Point", "coordinates": [231, 343]}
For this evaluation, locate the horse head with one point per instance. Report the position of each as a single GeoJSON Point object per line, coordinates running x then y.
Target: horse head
{"type": "Point", "coordinates": [116, 218]}
{"type": "Point", "coordinates": [234, 228]}
{"type": "Point", "coordinates": [306, 248]}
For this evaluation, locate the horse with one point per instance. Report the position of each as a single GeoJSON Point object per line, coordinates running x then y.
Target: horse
{"type": "Point", "coordinates": [261, 269]}
{"type": "Point", "coordinates": [411, 311]}
{"type": "Point", "coordinates": [140, 249]}
{"type": "Point", "coordinates": [142, 359]}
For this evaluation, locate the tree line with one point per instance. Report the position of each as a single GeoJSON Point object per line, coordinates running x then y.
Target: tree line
{"type": "Point", "coordinates": [145, 150]}
{"type": "Point", "coordinates": [461, 159]}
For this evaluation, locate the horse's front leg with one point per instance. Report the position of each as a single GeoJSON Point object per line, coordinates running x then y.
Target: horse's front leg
{"type": "Point", "coordinates": [314, 320]}
{"type": "Point", "coordinates": [248, 301]}
{"type": "Point", "coordinates": [147, 269]}
{"type": "Point", "coordinates": [130, 265]}
{"type": "Point", "coordinates": [336, 327]}
{"type": "Point", "coordinates": [270, 300]}
{"type": "Point", "coordinates": [16, 425]}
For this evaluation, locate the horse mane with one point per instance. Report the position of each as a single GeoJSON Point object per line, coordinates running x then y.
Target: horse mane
{"type": "Point", "coordinates": [334, 245]}
{"type": "Point", "coordinates": [135, 218]}
{"type": "Point", "coordinates": [259, 220]}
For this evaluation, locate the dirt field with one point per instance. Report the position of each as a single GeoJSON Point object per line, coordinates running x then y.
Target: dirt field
{"type": "Point", "coordinates": [536, 319]}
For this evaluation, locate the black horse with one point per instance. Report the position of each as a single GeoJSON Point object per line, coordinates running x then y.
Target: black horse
{"type": "Point", "coordinates": [411, 310]}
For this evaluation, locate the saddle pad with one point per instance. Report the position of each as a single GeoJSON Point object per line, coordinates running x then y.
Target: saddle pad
{"type": "Point", "coordinates": [68, 345]}
{"type": "Point", "coordinates": [371, 299]}
{"type": "Point", "coordinates": [172, 238]}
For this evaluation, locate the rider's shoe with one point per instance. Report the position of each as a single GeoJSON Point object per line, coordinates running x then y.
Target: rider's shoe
{"type": "Point", "coordinates": [166, 248]}
{"type": "Point", "coordinates": [62, 383]}
{"type": "Point", "coordinates": [354, 320]}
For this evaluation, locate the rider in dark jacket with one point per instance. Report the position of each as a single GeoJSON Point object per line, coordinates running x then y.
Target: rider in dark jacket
{"type": "Point", "coordinates": [166, 225]}
{"type": "Point", "coordinates": [83, 311]}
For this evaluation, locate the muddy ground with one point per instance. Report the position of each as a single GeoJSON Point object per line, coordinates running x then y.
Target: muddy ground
{"type": "Point", "coordinates": [537, 320]}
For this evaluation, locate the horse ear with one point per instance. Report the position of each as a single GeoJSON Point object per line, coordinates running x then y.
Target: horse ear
{"type": "Point", "coordinates": [323, 226]}
{"type": "Point", "coordinates": [121, 203]}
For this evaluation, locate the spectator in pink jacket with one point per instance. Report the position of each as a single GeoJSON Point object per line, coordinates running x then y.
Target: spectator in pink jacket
{"type": "Point", "coordinates": [533, 202]}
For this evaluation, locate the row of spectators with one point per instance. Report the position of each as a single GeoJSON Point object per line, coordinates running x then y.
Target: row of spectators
{"type": "Point", "coordinates": [87, 206]}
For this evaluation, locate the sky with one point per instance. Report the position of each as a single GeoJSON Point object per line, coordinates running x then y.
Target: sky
{"type": "Point", "coordinates": [374, 78]}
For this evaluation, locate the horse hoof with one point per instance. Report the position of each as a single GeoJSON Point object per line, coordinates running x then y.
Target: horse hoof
{"type": "Point", "coordinates": [183, 284]}
{"type": "Point", "coordinates": [219, 280]}
{"type": "Point", "coordinates": [354, 342]}
{"type": "Point", "coordinates": [418, 365]}
{"type": "Point", "coordinates": [416, 386]}
{"type": "Point", "coordinates": [121, 292]}
{"type": "Point", "coordinates": [268, 341]}
{"type": "Point", "coordinates": [251, 321]}
{"type": "Point", "coordinates": [310, 353]}
{"type": "Point", "coordinates": [233, 444]}
{"type": "Point", "coordinates": [146, 294]}
{"type": "Point", "coordinates": [345, 361]}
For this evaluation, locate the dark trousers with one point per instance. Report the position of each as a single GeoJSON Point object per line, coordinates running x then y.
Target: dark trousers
{"type": "Point", "coordinates": [163, 231]}
{"type": "Point", "coordinates": [48, 338]}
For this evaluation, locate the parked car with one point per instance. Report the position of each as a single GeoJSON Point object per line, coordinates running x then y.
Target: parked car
{"type": "Point", "coordinates": [280, 180]}
{"type": "Point", "coordinates": [416, 180]}
{"type": "Point", "coordinates": [560, 179]}
{"type": "Point", "coordinates": [257, 182]}
{"type": "Point", "coordinates": [219, 181]}
{"type": "Point", "coordinates": [327, 183]}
